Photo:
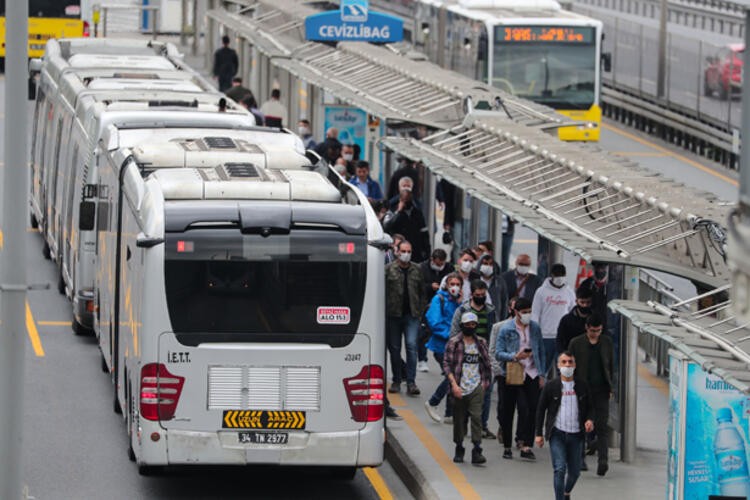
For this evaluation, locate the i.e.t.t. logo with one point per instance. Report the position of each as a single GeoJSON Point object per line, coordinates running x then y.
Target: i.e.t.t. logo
{"type": "Point", "coordinates": [354, 10]}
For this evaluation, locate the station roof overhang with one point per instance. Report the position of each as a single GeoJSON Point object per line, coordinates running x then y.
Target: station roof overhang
{"type": "Point", "coordinates": [599, 206]}
{"type": "Point", "coordinates": [717, 344]}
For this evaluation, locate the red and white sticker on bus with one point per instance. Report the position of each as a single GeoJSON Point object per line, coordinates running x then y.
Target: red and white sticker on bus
{"type": "Point", "coordinates": [334, 315]}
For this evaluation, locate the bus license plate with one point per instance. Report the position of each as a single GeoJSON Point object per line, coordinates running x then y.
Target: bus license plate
{"type": "Point", "coordinates": [253, 437]}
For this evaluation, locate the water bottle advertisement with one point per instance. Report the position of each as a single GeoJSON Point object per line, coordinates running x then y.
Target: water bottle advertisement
{"type": "Point", "coordinates": [351, 122]}
{"type": "Point", "coordinates": [716, 433]}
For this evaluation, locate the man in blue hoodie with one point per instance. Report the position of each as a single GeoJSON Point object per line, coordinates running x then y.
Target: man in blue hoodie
{"type": "Point", "coordinates": [439, 316]}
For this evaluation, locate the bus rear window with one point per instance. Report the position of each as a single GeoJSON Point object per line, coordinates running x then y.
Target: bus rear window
{"type": "Point", "coordinates": [226, 286]}
{"type": "Point", "coordinates": [51, 8]}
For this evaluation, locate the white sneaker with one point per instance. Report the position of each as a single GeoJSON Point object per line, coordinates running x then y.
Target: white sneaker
{"type": "Point", "coordinates": [448, 420]}
{"type": "Point", "coordinates": [422, 366]}
{"type": "Point", "coordinates": [432, 411]}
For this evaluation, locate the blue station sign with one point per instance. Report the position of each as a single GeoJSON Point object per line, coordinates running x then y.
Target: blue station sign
{"type": "Point", "coordinates": [354, 22]}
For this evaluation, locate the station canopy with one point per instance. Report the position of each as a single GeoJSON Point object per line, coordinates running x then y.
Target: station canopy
{"type": "Point", "coordinates": [500, 149]}
{"type": "Point", "coordinates": [711, 336]}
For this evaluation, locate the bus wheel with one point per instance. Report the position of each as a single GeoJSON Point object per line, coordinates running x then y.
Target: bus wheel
{"type": "Point", "coordinates": [342, 473]}
{"type": "Point", "coordinates": [34, 222]}
{"type": "Point", "coordinates": [150, 470]}
{"type": "Point", "coordinates": [116, 403]}
{"type": "Point", "coordinates": [2, 64]}
{"type": "Point", "coordinates": [79, 329]}
{"type": "Point", "coordinates": [46, 251]}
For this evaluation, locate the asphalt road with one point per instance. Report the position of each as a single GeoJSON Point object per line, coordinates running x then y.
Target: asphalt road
{"type": "Point", "coordinates": [74, 445]}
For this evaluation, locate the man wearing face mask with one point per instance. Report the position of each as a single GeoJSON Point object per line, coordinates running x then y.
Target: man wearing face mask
{"type": "Point", "coordinates": [404, 305]}
{"type": "Point", "coordinates": [485, 312]}
{"type": "Point", "coordinates": [464, 266]}
{"type": "Point", "coordinates": [573, 324]}
{"type": "Point", "coordinates": [566, 402]}
{"type": "Point", "coordinates": [466, 364]}
{"type": "Point", "coordinates": [521, 282]}
{"type": "Point", "coordinates": [487, 270]}
{"type": "Point", "coordinates": [599, 284]}
{"type": "Point", "coordinates": [347, 153]}
{"type": "Point", "coordinates": [439, 317]}
{"type": "Point", "coordinates": [594, 354]}
{"type": "Point", "coordinates": [406, 218]}
{"type": "Point", "coordinates": [520, 341]}
{"type": "Point", "coordinates": [433, 272]}
{"type": "Point", "coordinates": [553, 300]}
{"type": "Point", "coordinates": [305, 132]}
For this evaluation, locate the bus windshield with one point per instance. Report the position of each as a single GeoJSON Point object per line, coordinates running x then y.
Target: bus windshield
{"type": "Point", "coordinates": [559, 75]}
{"type": "Point", "coordinates": [51, 8]}
{"type": "Point", "coordinates": [220, 281]}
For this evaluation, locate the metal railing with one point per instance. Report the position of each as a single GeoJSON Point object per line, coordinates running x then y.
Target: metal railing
{"type": "Point", "coordinates": [105, 10]}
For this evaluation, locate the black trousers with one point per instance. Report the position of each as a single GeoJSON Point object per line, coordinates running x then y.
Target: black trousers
{"type": "Point", "coordinates": [600, 398]}
{"type": "Point", "coordinates": [525, 397]}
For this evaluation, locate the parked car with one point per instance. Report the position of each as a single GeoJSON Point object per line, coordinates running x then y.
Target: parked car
{"type": "Point", "coordinates": [724, 72]}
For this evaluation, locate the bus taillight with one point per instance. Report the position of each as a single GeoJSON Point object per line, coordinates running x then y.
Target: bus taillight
{"type": "Point", "coordinates": [365, 394]}
{"type": "Point", "coordinates": [160, 392]}
{"type": "Point", "coordinates": [86, 29]}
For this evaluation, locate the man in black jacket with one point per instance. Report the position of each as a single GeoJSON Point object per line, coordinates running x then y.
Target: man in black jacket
{"type": "Point", "coordinates": [226, 64]}
{"type": "Point", "coordinates": [573, 324]}
{"type": "Point", "coordinates": [404, 217]}
{"type": "Point", "coordinates": [566, 401]}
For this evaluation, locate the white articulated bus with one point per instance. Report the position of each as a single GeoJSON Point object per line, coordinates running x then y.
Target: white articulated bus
{"type": "Point", "coordinates": [249, 297]}
{"type": "Point", "coordinates": [84, 87]}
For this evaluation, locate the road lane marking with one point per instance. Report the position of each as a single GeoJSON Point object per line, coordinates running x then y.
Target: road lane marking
{"type": "Point", "coordinates": [377, 482]}
{"type": "Point", "coordinates": [452, 472]}
{"type": "Point", "coordinates": [53, 323]}
{"type": "Point", "coordinates": [666, 151]}
{"type": "Point", "coordinates": [658, 383]}
{"type": "Point", "coordinates": [643, 154]}
{"type": "Point", "coordinates": [36, 342]}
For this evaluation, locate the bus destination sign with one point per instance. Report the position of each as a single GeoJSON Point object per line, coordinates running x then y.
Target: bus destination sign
{"type": "Point", "coordinates": [554, 34]}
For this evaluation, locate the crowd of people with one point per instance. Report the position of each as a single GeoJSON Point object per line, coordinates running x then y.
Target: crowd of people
{"type": "Point", "coordinates": [539, 342]}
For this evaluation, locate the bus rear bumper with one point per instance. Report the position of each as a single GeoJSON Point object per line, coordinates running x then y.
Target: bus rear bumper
{"type": "Point", "coordinates": [303, 448]}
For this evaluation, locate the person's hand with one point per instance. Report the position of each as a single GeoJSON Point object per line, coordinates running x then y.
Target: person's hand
{"type": "Point", "coordinates": [442, 206]}
{"type": "Point", "coordinates": [435, 286]}
{"type": "Point", "coordinates": [522, 355]}
{"type": "Point", "coordinates": [541, 382]}
{"type": "Point", "coordinates": [456, 391]}
{"type": "Point", "coordinates": [401, 205]}
{"type": "Point", "coordinates": [588, 426]}
{"type": "Point", "coordinates": [539, 440]}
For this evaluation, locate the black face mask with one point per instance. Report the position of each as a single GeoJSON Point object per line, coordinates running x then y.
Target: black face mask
{"type": "Point", "coordinates": [584, 310]}
{"type": "Point", "coordinates": [468, 331]}
{"type": "Point", "coordinates": [479, 300]}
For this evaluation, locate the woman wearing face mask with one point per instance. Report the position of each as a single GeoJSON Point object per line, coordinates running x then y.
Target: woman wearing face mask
{"type": "Point", "coordinates": [520, 341]}
{"type": "Point", "coordinates": [439, 316]}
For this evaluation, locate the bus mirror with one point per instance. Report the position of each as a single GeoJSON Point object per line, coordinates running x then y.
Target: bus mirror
{"type": "Point", "coordinates": [607, 61]}
{"type": "Point", "coordinates": [35, 66]}
{"type": "Point", "coordinates": [86, 216]}
{"type": "Point", "coordinates": [143, 241]}
{"type": "Point", "coordinates": [383, 243]}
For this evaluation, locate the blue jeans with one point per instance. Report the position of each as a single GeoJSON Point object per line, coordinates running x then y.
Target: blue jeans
{"type": "Point", "coordinates": [486, 405]}
{"type": "Point", "coordinates": [442, 390]}
{"type": "Point", "coordinates": [408, 326]}
{"type": "Point", "coordinates": [565, 449]}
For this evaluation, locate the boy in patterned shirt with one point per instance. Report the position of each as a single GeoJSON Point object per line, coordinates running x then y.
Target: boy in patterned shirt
{"type": "Point", "coordinates": [466, 364]}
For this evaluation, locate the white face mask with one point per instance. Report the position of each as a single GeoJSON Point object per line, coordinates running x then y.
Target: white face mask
{"type": "Point", "coordinates": [348, 156]}
{"type": "Point", "coordinates": [567, 371]}
{"type": "Point", "coordinates": [523, 270]}
{"type": "Point", "coordinates": [303, 130]}
{"type": "Point", "coordinates": [558, 281]}
{"type": "Point", "coordinates": [526, 318]}
{"type": "Point", "coordinates": [404, 256]}
{"type": "Point", "coordinates": [454, 290]}
{"type": "Point", "coordinates": [466, 266]}
{"type": "Point", "coordinates": [435, 267]}
{"type": "Point", "coordinates": [486, 270]}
